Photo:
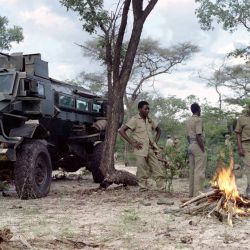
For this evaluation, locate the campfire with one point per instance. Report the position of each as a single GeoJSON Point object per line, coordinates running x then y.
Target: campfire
{"type": "Point", "coordinates": [223, 201]}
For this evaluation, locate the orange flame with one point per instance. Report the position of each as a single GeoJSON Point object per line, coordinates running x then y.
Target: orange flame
{"type": "Point", "coordinates": [225, 181]}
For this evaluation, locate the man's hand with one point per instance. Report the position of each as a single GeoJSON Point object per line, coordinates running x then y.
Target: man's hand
{"type": "Point", "coordinates": [200, 142]}
{"type": "Point", "coordinates": [241, 152]}
{"type": "Point", "coordinates": [137, 145]}
{"type": "Point", "coordinates": [167, 163]}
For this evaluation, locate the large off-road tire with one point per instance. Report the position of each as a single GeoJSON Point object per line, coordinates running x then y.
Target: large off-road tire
{"type": "Point", "coordinates": [32, 171]}
{"type": "Point", "coordinates": [96, 162]}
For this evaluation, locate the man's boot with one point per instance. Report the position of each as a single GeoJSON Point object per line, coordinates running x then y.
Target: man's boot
{"type": "Point", "coordinates": [248, 192]}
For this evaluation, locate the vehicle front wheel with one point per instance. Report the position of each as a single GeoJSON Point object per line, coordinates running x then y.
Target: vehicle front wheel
{"type": "Point", "coordinates": [32, 171]}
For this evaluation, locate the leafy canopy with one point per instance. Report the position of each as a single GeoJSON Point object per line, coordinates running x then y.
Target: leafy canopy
{"type": "Point", "coordinates": [9, 35]}
{"type": "Point", "coordinates": [91, 12]}
{"type": "Point", "coordinates": [231, 13]}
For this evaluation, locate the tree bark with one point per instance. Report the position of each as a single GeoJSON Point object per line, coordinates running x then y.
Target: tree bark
{"type": "Point", "coordinates": [107, 167]}
{"type": "Point", "coordinates": [117, 88]}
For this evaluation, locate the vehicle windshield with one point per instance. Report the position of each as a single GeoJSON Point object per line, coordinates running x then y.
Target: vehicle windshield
{"type": "Point", "coordinates": [6, 83]}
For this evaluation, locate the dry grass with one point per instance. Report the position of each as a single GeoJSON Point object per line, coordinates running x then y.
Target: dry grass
{"type": "Point", "coordinates": [75, 216]}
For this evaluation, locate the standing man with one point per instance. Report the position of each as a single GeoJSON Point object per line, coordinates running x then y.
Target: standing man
{"type": "Point", "coordinates": [177, 144]}
{"type": "Point", "coordinates": [144, 144]}
{"type": "Point", "coordinates": [196, 151]}
{"type": "Point", "coordinates": [169, 142]}
{"type": "Point", "coordinates": [243, 141]}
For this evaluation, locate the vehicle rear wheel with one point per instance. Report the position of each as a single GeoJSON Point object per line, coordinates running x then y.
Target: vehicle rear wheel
{"type": "Point", "coordinates": [70, 163]}
{"type": "Point", "coordinates": [32, 171]}
{"type": "Point", "coordinates": [96, 162]}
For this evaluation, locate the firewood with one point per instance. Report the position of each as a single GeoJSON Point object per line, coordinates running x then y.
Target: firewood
{"type": "Point", "coordinates": [197, 209]}
{"type": "Point", "coordinates": [220, 215]}
{"type": "Point", "coordinates": [223, 201]}
{"type": "Point", "coordinates": [218, 205]}
{"type": "Point", "coordinates": [230, 213]}
{"type": "Point", "coordinates": [201, 201]}
{"type": "Point", "coordinates": [241, 201]}
{"type": "Point", "coordinates": [200, 197]}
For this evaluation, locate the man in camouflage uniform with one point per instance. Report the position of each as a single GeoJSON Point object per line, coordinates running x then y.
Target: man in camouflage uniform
{"type": "Point", "coordinates": [243, 141]}
{"type": "Point", "coordinates": [148, 166]}
{"type": "Point", "coordinates": [196, 151]}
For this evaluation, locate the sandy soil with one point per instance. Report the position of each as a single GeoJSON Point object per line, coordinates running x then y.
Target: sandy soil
{"type": "Point", "coordinates": [77, 216]}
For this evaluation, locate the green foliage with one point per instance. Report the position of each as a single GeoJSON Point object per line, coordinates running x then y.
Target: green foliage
{"type": "Point", "coordinates": [91, 12]}
{"type": "Point", "coordinates": [219, 154]}
{"type": "Point", "coordinates": [241, 53]}
{"type": "Point", "coordinates": [128, 156]}
{"type": "Point", "coordinates": [234, 78]}
{"type": "Point", "coordinates": [96, 49]}
{"type": "Point", "coordinates": [94, 82]}
{"type": "Point", "coordinates": [178, 162]}
{"type": "Point", "coordinates": [217, 124]}
{"type": "Point", "coordinates": [231, 13]}
{"type": "Point", "coordinates": [9, 35]}
{"type": "Point", "coordinates": [153, 59]}
{"type": "Point", "coordinates": [190, 100]}
{"type": "Point", "coordinates": [172, 113]}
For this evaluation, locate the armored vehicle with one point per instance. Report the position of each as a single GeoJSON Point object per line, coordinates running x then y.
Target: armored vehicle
{"type": "Point", "coordinates": [45, 124]}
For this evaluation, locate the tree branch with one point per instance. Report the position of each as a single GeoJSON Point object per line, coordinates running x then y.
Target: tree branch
{"type": "Point", "coordinates": [119, 41]}
{"type": "Point", "coordinates": [149, 8]}
{"type": "Point", "coordinates": [94, 14]}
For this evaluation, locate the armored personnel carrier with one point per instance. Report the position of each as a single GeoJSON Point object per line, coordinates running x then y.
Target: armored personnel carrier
{"type": "Point", "coordinates": [45, 124]}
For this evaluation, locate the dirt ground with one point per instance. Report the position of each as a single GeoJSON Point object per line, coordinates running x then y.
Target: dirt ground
{"type": "Point", "coordinates": [76, 216]}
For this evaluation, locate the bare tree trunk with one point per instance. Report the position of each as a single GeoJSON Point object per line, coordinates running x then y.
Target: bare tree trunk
{"type": "Point", "coordinates": [117, 87]}
{"type": "Point", "coordinates": [121, 113]}
{"type": "Point", "coordinates": [220, 98]}
{"type": "Point", "coordinates": [126, 146]}
{"type": "Point", "coordinates": [107, 167]}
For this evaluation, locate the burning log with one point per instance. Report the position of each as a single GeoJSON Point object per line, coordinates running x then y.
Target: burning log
{"type": "Point", "coordinates": [197, 198]}
{"type": "Point", "coordinates": [223, 200]}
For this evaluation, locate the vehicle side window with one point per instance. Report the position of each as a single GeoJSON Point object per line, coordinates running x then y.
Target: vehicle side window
{"type": "Point", "coordinates": [82, 105]}
{"type": "Point", "coordinates": [41, 91]}
{"type": "Point", "coordinates": [96, 107]}
{"type": "Point", "coordinates": [66, 101]}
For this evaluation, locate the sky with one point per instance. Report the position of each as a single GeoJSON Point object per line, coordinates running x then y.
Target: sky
{"type": "Point", "coordinates": [52, 31]}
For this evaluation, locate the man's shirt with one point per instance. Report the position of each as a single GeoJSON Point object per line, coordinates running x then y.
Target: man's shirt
{"type": "Point", "coordinates": [142, 132]}
{"type": "Point", "coordinates": [194, 126]}
{"type": "Point", "coordinates": [243, 127]}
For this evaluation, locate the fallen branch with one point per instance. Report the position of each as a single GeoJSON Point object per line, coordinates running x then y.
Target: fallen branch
{"type": "Point", "coordinates": [200, 197]}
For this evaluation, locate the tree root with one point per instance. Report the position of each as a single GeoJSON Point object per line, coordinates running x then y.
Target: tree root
{"type": "Point", "coordinates": [119, 177]}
